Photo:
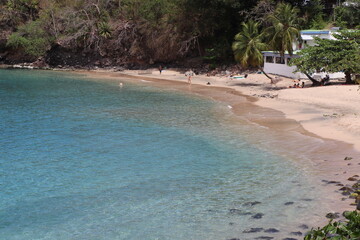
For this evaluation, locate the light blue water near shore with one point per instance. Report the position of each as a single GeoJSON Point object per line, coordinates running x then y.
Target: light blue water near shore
{"type": "Point", "coordinates": [86, 159]}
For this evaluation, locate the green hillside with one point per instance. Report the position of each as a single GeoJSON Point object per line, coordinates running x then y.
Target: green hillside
{"type": "Point", "coordinates": [135, 33]}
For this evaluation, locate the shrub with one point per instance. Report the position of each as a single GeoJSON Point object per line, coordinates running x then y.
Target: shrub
{"type": "Point", "coordinates": [32, 38]}
{"type": "Point", "coordinates": [347, 230]}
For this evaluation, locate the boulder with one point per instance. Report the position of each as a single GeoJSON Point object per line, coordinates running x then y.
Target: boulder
{"type": "Point", "coordinates": [332, 215]}
{"type": "Point", "coordinates": [271, 230]}
{"type": "Point", "coordinates": [253, 230]}
{"type": "Point", "coordinates": [251, 203]}
{"type": "Point", "coordinates": [296, 233]}
{"type": "Point", "coordinates": [258, 216]}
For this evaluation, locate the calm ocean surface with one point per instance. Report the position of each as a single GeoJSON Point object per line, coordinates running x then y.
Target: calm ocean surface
{"type": "Point", "coordinates": [86, 159]}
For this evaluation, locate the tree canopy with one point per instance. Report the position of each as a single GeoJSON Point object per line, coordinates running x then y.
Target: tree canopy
{"type": "Point", "coordinates": [153, 30]}
{"type": "Point", "coordinates": [342, 54]}
{"type": "Point", "coordinates": [284, 29]}
{"type": "Point", "coordinates": [248, 45]}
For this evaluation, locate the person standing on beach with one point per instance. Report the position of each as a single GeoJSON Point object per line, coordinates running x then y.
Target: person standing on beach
{"type": "Point", "coordinates": [160, 69]}
{"type": "Point", "coordinates": [189, 74]}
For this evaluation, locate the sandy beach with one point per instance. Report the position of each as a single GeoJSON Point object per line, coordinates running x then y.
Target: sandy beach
{"type": "Point", "coordinates": [331, 112]}
{"type": "Point", "coordinates": [320, 124]}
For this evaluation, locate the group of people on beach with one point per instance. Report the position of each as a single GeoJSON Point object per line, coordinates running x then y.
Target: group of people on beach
{"type": "Point", "coordinates": [325, 80]}
{"type": "Point", "coordinates": [297, 85]}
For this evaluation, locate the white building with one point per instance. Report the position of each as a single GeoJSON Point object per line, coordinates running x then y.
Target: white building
{"type": "Point", "coordinates": [275, 64]}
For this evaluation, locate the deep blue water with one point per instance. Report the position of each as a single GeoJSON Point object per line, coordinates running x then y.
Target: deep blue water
{"type": "Point", "coordinates": [87, 159]}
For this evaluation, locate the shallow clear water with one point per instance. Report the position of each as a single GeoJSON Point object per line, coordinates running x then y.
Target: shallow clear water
{"type": "Point", "coordinates": [87, 159]}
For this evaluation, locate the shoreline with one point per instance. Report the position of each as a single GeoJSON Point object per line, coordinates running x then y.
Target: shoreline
{"type": "Point", "coordinates": [255, 100]}
{"type": "Point", "coordinates": [326, 153]}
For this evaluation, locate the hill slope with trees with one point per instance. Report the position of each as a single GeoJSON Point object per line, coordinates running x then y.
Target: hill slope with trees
{"type": "Point", "coordinates": [135, 33]}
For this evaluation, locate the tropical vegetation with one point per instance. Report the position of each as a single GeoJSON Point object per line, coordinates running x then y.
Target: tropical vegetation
{"type": "Point", "coordinates": [277, 28]}
{"type": "Point", "coordinates": [342, 54]}
{"type": "Point", "coordinates": [249, 44]}
{"type": "Point", "coordinates": [341, 230]}
{"type": "Point", "coordinates": [279, 35]}
{"type": "Point", "coordinates": [143, 32]}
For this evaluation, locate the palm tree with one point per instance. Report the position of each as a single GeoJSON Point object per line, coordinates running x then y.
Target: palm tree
{"type": "Point", "coordinates": [248, 45]}
{"type": "Point", "coordinates": [284, 29]}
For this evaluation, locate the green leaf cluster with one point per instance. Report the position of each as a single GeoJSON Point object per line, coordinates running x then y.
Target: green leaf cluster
{"type": "Point", "coordinates": [161, 30]}
{"type": "Point", "coordinates": [249, 44]}
{"type": "Point", "coordinates": [28, 9]}
{"type": "Point", "coordinates": [348, 230]}
{"type": "Point", "coordinates": [348, 15]}
{"type": "Point", "coordinates": [341, 54]}
{"type": "Point", "coordinates": [279, 36]}
{"type": "Point", "coordinates": [31, 38]}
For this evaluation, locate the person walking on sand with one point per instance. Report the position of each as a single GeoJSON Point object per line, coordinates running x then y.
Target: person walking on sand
{"type": "Point", "coordinates": [160, 69]}
{"type": "Point", "coordinates": [189, 74]}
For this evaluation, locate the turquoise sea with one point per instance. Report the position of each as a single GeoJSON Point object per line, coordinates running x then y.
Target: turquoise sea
{"type": "Point", "coordinates": [87, 159]}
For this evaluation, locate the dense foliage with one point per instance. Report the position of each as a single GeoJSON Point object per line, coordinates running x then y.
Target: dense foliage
{"type": "Point", "coordinates": [342, 54]}
{"type": "Point", "coordinates": [348, 230]}
{"type": "Point", "coordinates": [148, 31]}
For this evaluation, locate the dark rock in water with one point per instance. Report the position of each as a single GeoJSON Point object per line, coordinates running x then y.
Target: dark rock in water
{"type": "Point", "coordinates": [340, 184]}
{"type": "Point", "coordinates": [231, 223]}
{"type": "Point", "coordinates": [346, 188]}
{"type": "Point", "coordinates": [264, 237]}
{"type": "Point", "coordinates": [356, 175]}
{"type": "Point", "coordinates": [346, 193]}
{"type": "Point", "coordinates": [251, 203]}
{"type": "Point", "coordinates": [289, 239]}
{"type": "Point", "coordinates": [325, 181]}
{"type": "Point", "coordinates": [289, 203]}
{"type": "Point", "coordinates": [304, 226]}
{"type": "Point", "coordinates": [348, 158]}
{"type": "Point", "coordinates": [235, 211]}
{"type": "Point", "coordinates": [253, 230]}
{"type": "Point", "coordinates": [353, 196]}
{"type": "Point", "coordinates": [352, 179]}
{"type": "Point", "coordinates": [332, 215]}
{"type": "Point", "coordinates": [234, 239]}
{"type": "Point", "coordinates": [332, 182]}
{"type": "Point", "coordinates": [296, 233]}
{"type": "Point", "coordinates": [307, 199]}
{"type": "Point", "coordinates": [271, 230]}
{"type": "Point", "coordinates": [258, 215]}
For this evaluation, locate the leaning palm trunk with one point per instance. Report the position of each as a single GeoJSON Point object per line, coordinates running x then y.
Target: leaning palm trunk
{"type": "Point", "coordinates": [271, 79]}
{"type": "Point", "coordinates": [348, 78]}
{"type": "Point", "coordinates": [313, 80]}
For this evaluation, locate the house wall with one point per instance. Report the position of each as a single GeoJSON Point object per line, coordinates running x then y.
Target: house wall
{"type": "Point", "coordinates": [286, 70]}
{"type": "Point", "coordinates": [282, 70]}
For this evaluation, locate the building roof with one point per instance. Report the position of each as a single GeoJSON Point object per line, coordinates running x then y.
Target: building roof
{"type": "Point", "coordinates": [307, 37]}
{"type": "Point", "coordinates": [313, 32]}
{"type": "Point", "coordinates": [273, 53]}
